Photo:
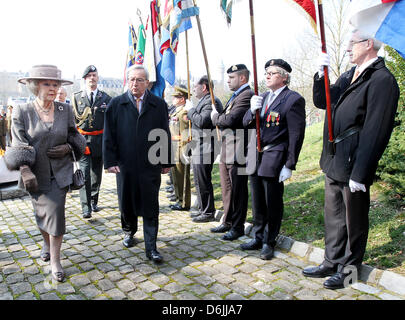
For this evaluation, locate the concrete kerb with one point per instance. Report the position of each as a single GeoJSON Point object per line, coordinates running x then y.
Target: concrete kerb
{"type": "Point", "coordinates": [384, 279]}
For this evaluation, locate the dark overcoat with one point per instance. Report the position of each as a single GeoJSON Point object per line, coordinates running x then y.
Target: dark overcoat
{"type": "Point", "coordinates": [126, 145]}
{"type": "Point", "coordinates": [95, 121]}
{"type": "Point", "coordinates": [288, 134]}
{"type": "Point", "coordinates": [234, 144]}
{"type": "Point", "coordinates": [370, 103]}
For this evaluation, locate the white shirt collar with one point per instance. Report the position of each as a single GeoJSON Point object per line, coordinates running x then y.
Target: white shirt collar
{"type": "Point", "coordinates": [366, 65]}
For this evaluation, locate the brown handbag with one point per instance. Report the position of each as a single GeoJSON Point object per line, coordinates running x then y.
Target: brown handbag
{"type": "Point", "coordinates": [78, 176]}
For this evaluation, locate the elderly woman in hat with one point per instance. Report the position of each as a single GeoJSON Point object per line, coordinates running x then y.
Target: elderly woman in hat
{"type": "Point", "coordinates": [44, 136]}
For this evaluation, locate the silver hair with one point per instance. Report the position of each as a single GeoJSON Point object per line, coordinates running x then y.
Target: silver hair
{"type": "Point", "coordinates": [377, 44]}
{"type": "Point", "coordinates": [138, 67]}
{"type": "Point", "coordinates": [284, 74]}
{"type": "Point", "coordinates": [33, 86]}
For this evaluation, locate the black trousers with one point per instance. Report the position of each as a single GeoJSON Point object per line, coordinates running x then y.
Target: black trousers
{"type": "Point", "coordinates": [235, 196]}
{"type": "Point", "coordinates": [92, 168]}
{"type": "Point", "coordinates": [204, 189]}
{"type": "Point", "coordinates": [268, 207]}
{"type": "Point", "coordinates": [346, 224]}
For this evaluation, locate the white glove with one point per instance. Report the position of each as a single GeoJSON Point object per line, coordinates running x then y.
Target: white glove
{"type": "Point", "coordinates": [355, 186]}
{"type": "Point", "coordinates": [285, 174]}
{"type": "Point", "coordinates": [188, 105]}
{"type": "Point", "coordinates": [255, 103]}
{"type": "Point", "coordinates": [323, 60]}
{"type": "Point", "coordinates": [213, 112]}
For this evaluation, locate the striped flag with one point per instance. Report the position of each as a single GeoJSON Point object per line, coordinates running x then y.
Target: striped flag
{"type": "Point", "coordinates": [381, 19]}
{"type": "Point", "coordinates": [309, 8]}
{"type": "Point", "coordinates": [226, 6]}
{"type": "Point", "coordinates": [131, 50]}
{"type": "Point", "coordinates": [140, 47]}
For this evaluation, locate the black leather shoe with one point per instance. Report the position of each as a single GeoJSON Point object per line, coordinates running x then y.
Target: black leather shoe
{"type": "Point", "coordinates": [337, 281]}
{"type": "Point", "coordinates": [254, 244]}
{"type": "Point", "coordinates": [204, 218]}
{"type": "Point", "coordinates": [87, 215]}
{"type": "Point", "coordinates": [177, 206]}
{"type": "Point", "coordinates": [232, 235]}
{"type": "Point", "coordinates": [318, 272]}
{"type": "Point", "coordinates": [224, 227]}
{"type": "Point", "coordinates": [194, 214]}
{"type": "Point", "coordinates": [129, 241]}
{"type": "Point", "coordinates": [155, 256]}
{"type": "Point", "coordinates": [267, 252]}
{"type": "Point", "coordinates": [94, 207]}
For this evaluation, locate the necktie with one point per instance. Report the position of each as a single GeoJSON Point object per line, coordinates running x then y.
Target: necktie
{"type": "Point", "coordinates": [138, 103]}
{"type": "Point", "coordinates": [355, 76]}
{"type": "Point", "coordinates": [269, 102]}
{"type": "Point", "coordinates": [91, 98]}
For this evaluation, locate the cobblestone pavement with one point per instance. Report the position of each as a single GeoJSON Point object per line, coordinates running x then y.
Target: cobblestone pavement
{"type": "Point", "coordinates": [198, 265]}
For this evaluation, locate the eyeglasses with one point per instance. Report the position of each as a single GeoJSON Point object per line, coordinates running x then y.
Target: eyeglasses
{"type": "Point", "coordinates": [271, 73]}
{"type": "Point", "coordinates": [351, 43]}
{"type": "Point", "coordinates": [138, 80]}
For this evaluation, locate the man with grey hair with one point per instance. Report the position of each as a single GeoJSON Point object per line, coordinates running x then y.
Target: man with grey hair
{"type": "Point", "coordinates": [128, 152]}
{"type": "Point", "coordinates": [282, 128]}
{"type": "Point", "coordinates": [364, 102]}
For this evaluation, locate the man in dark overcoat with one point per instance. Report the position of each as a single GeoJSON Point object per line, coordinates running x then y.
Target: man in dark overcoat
{"type": "Point", "coordinates": [234, 180]}
{"type": "Point", "coordinates": [204, 147]}
{"type": "Point", "coordinates": [282, 129]}
{"type": "Point", "coordinates": [89, 106]}
{"type": "Point", "coordinates": [364, 102]}
{"type": "Point", "coordinates": [137, 147]}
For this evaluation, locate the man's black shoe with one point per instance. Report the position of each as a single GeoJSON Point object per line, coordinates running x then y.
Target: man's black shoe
{"type": "Point", "coordinates": [155, 256]}
{"type": "Point", "coordinates": [87, 215]}
{"type": "Point", "coordinates": [129, 241]}
{"type": "Point", "coordinates": [194, 214]}
{"type": "Point", "coordinates": [232, 235]}
{"type": "Point", "coordinates": [254, 244]}
{"type": "Point", "coordinates": [267, 252]}
{"type": "Point", "coordinates": [204, 218]}
{"type": "Point", "coordinates": [94, 207]}
{"type": "Point", "coordinates": [337, 281]}
{"type": "Point", "coordinates": [224, 227]}
{"type": "Point", "coordinates": [318, 272]}
{"type": "Point", "coordinates": [177, 206]}
{"type": "Point", "coordinates": [169, 189]}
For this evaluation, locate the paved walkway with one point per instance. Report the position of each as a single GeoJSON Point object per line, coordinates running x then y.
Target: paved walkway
{"type": "Point", "coordinates": [198, 265]}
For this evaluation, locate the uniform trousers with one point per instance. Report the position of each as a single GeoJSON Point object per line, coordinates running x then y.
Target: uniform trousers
{"type": "Point", "coordinates": [235, 196]}
{"type": "Point", "coordinates": [182, 185]}
{"type": "Point", "coordinates": [267, 207]}
{"type": "Point", "coordinates": [346, 224]}
{"type": "Point", "coordinates": [92, 168]}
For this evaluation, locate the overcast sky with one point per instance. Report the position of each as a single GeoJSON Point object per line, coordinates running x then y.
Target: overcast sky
{"type": "Point", "coordinates": [73, 34]}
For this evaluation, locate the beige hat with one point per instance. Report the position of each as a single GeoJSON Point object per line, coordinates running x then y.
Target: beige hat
{"type": "Point", "coordinates": [45, 72]}
{"type": "Point", "coordinates": [180, 91]}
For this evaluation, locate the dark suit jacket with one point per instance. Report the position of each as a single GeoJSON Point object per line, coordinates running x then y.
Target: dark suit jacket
{"type": "Point", "coordinates": [371, 103]}
{"type": "Point", "coordinates": [94, 123]}
{"type": "Point", "coordinates": [234, 142]}
{"type": "Point", "coordinates": [126, 144]}
{"type": "Point", "coordinates": [289, 134]}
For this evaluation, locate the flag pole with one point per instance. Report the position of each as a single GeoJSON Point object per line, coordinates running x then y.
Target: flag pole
{"type": "Point", "coordinates": [188, 85]}
{"type": "Point", "coordinates": [252, 28]}
{"type": "Point", "coordinates": [206, 63]}
{"type": "Point", "coordinates": [325, 71]}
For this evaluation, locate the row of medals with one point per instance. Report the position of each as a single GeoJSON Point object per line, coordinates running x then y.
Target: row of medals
{"type": "Point", "coordinates": [273, 119]}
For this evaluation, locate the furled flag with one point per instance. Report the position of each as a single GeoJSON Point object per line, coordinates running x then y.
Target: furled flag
{"type": "Point", "coordinates": [159, 86]}
{"type": "Point", "coordinates": [131, 49]}
{"type": "Point", "coordinates": [226, 6]}
{"type": "Point", "coordinates": [176, 19]}
{"type": "Point", "coordinates": [140, 47]}
{"type": "Point", "coordinates": [309, 7]}
{"type": "Point", "coordinates": [381, 19]}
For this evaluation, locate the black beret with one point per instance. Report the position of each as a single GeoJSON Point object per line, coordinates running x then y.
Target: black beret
{"type": "Point", "coordinates": [89, 69]}
{"type": "Point", "coordinates": [279, 63]}
{"type": "Point", "coordinates": [236, 67]}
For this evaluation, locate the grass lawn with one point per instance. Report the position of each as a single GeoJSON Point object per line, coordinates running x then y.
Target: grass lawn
{"type": "Point", "coordinates": [303, 211]}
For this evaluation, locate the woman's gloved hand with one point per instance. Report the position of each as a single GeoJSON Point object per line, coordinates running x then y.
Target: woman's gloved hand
{"type": "Point", "coordinates": [59, 151]}
{"type": "Point", "coordinates": [29, 179]}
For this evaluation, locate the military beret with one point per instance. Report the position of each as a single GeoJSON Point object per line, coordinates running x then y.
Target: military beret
{"type": "Point", "coordinates": [236, 67]}
{"type": "Point", "coordinates": [180, 91]}
{"type": "Point", "coordinates": [89, 69]}
{"type": "Point", "coordinates": [279, 63]}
